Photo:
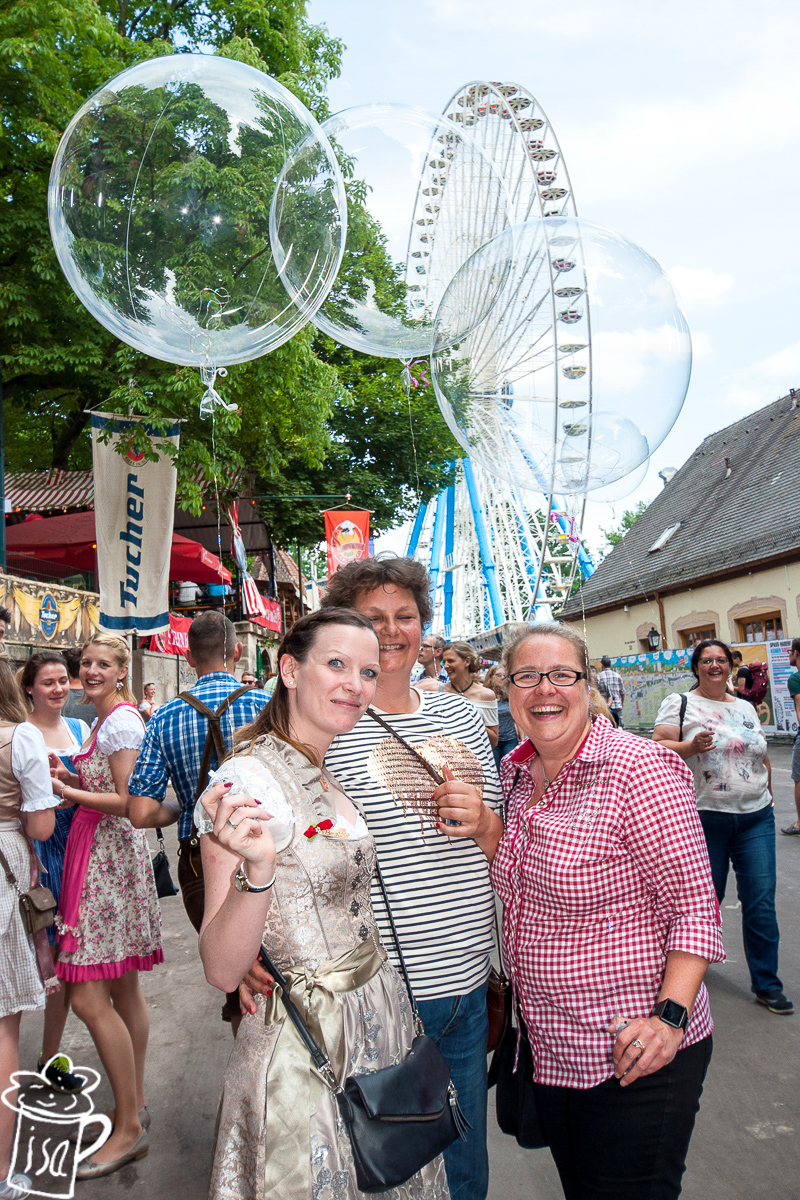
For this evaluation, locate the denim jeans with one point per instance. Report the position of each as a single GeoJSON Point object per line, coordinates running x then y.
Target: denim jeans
{"type": "Point", "coordinates": [746, 841]}
{"type": "Point", "coordinates": [459, 1026]}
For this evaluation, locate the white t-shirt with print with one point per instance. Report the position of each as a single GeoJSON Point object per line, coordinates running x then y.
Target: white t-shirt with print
{"type": "Point", "coordinates": [732, 777]}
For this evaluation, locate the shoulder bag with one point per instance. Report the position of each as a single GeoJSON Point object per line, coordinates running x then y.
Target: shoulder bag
{"type": "Point", "coordinates": [399, 1118]}
{"type": "Point", "coordinates": [497, 985]}
{"type": "Point", "coordinates": [37, 906]}
{"type": "Point", "coordinates": [165, 885]}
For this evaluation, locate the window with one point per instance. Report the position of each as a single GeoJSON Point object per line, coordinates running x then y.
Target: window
{"type": "Point", "coordinates": [764, 628]}
{"type": "Point", "coordinates": [663, 538]}
{"type": "Point", "coordinates": [690, 637]}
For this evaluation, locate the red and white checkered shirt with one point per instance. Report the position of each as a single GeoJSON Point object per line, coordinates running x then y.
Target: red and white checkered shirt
{"type": "Point", "coordinates": [600, 879]}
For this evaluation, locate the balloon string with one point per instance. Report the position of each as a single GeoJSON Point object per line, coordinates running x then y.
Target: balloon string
{"type": "Point", "coordinates": [406, 379]}
{"type": "Point", "coordinates": [211, 399]}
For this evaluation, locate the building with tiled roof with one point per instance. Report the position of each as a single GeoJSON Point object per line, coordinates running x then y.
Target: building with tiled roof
{"type": "Point", "coordinates": [717, 553]}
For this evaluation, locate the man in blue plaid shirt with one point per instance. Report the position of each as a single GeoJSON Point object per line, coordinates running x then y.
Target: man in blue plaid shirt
{"type": "Point", "coordinates": [173, 748]}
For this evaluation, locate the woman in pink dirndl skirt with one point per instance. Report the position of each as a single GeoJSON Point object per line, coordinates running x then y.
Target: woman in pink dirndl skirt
{"type": "Point", "coordinates": [109, 917]}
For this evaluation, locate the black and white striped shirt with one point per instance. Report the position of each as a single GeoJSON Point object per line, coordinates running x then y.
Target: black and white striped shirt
{"type": "Point", "coordinates": [439, 888]}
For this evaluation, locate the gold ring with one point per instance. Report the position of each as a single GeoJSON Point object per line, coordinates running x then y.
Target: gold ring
{"type": "Point", "coordinates": [639, 1045]}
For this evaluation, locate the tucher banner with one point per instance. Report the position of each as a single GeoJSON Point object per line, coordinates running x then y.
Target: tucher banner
{"type": "Point", "coordinates": [134, 508]}
{"type": "Point", "coordinates": [347, 535]}
{"type": "Point", "coordinates": [45, 615]}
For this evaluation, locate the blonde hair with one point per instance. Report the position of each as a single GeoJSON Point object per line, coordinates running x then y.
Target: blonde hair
{"type": "Point", "coordinates": [12, 708]}
{"type": "Point", "coordinates": [465, 651]}
{"type": "Point", "coordinates": [119, 650]}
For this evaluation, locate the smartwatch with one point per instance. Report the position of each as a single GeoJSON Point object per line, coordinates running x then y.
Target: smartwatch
{"type": "Point", "coordinates": [243, 884]}
{"type": "Point", "coordinates": [671, 1013]}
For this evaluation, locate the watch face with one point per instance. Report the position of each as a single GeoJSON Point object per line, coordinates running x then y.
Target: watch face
{"type": "Point", "coordinates": [239, 882]}
{"type": "Point", "coordinates": [672, 1014]}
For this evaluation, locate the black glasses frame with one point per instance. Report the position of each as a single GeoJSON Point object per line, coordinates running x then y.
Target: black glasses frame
{"type": "Point", "coordinates": [546, 675]}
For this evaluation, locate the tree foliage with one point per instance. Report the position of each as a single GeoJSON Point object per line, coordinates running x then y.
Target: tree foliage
{"type": "Point", "coordinates": [614, 536]}
{"type": "Point", "coordinates": [311, 416]}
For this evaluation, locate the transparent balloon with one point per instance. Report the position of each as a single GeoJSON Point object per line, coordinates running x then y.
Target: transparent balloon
{"type": "Point", "coordinates": [580, 369]}
{"type": "Point", "coordinates": [621, 488]}
{"type": "Point", "coordinates": [432, 198]}
{"type": "Point", "coordinates": [165, 215]}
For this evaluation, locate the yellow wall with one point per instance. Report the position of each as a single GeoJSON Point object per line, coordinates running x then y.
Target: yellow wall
{"type": "Point", "coordinates": [718, 604]}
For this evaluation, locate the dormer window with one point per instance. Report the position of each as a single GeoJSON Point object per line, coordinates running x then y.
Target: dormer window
{"type": "Point", "coordinates": [662, 540]}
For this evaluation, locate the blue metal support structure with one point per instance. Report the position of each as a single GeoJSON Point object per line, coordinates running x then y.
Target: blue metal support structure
{"type": "Point", "coordinates": [416, 530]}
{"type": "Point", "coordinates": [489, 570]}
{"type": "Point", "coordinates": [449, 541]}
{"type": "Point", "coordinates": [436, 545]}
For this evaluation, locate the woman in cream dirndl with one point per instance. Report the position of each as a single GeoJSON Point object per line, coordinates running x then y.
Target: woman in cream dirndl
{"type": "Point", "coordinates": [109, 917]}
{"type": "Point", "coordinates": [27, 808]}
{"type": "Point", "coordinates": [288, 860]}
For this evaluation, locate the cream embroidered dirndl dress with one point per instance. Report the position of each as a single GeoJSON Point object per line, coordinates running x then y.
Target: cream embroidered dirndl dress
{"type": "Point", "coordinates": [119, 919]}
{"type": "Point", "coordinates": [278, 1132]}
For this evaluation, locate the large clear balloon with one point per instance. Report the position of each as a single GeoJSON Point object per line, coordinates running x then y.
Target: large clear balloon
{"type": "Point", "coordinates": [620, 489]}
{"type": "Point", "coordinates": [165, 215]}
{"type": "Point", "coordinates": [432, 198]}
{"type": "Point", "coordinates": [580, 369]}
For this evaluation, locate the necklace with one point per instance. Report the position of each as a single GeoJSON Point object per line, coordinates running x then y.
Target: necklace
{"type": "Point", "coordinates": [461, 691]}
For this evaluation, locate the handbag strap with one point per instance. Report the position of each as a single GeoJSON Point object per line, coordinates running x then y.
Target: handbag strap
{"type": "Point", "coordinates": [10, 876]}
{"type": "Point", "coordinates": [423, 762]}
{"type": "Point", "coordinates": [318, 1056]}
{"type": "Point", "coordinates": [160, 836]}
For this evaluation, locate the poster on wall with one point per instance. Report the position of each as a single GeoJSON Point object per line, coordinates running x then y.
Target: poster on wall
{"type": "Point", "coordinates": [785, 714]}
{"type": "Point", "coordinates": [758, 652]}
{"type": "Point", "coordinates": [648, 679]}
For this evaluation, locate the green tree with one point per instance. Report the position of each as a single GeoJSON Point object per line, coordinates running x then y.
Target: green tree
{"type": "Point", "coordinates": [614, 536]}
{"type": "Point", "coordinates": [58, 362]}
{"type": "Point", "coordinates": [386, 449]}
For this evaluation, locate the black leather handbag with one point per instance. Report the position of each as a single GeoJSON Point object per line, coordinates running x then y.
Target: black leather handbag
{"type": "Point", "coordinates": [165, 885]}
{"type": "Point", "coordinates": [515, 1099]}
{"type": "Point", "coordinates": [398, 1118]}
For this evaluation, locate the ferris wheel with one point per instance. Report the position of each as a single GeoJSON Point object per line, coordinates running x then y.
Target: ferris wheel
{"type": "Point", "coordinates": [498, 553]}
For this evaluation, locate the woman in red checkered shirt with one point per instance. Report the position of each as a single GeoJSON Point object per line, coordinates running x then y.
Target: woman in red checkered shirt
{"type": "Point", "coordinates": [610, 922]}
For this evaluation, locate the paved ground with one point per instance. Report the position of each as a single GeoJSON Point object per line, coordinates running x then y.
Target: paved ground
{"type": "Point", "coordinates": [746, 1141]}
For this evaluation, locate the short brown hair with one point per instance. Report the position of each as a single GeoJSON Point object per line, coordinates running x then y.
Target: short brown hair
{"type": "Point", "coordinates": [351, 582]}
{"type": "Point", "coordinates": [796, 645]}
{"type": "Point", "coordinates": [212, 638]}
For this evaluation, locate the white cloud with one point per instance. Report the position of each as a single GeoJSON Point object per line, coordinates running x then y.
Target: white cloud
{"type": "Point", "coordinates": [700, 284]}
{"type": "Point", "coordinates": [764, 381]}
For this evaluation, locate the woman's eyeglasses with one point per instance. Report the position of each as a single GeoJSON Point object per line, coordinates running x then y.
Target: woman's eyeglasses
{"type": "Point", "coordinates": [712, 662]}
{"type": "Point", "coordinates": [560, 677]}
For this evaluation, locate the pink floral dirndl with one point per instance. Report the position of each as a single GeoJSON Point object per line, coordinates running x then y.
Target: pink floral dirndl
{"type": "Point", "coordinates": [109, 919]}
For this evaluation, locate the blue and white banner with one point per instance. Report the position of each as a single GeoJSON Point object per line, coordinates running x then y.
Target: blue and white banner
{"type": "Point", "coordinates": [134, 501]}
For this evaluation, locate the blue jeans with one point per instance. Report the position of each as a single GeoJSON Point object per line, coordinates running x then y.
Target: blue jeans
{"type": "Point", "coordinates": [459, 1026]}
{"type": "Point", "coordinates": [746, 841]}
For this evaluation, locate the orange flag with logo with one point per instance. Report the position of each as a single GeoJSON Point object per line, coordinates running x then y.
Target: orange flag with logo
{"type": "Point", "coordinates": [347, 535]}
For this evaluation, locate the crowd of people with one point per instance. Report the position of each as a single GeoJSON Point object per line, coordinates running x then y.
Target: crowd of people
{"type": "Point", "coordinates": [382, 746]}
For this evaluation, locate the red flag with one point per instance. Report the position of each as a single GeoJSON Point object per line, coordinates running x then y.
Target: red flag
{"type": "Point", "coordinates": [347, 535]}
{"type": "Point", "coordinates": [174, 640]}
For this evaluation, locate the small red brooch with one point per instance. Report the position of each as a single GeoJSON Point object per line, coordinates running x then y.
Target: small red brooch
{"type": "Point", "coordinates": [313, 830]}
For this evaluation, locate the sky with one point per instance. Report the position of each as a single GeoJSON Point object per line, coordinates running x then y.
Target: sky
{"type": "Point", "coordinates": [680, 126]}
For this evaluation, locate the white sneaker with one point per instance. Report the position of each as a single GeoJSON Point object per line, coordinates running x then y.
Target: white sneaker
{"type": "Point", "coordinates": [16, 1187]}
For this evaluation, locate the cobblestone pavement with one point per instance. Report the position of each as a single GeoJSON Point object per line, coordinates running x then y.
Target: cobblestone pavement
{"type": "Point", "coordinates": [746, 1139]}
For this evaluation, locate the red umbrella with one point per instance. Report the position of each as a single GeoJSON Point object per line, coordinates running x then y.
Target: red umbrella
{"type": "Point", "coordinates": [71, 540]}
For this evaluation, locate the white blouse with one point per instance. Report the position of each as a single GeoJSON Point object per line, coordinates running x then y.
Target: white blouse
{"type": "Point", "coordinates": [31, 768]}
{"type": "Point", "coordinates": [123, 729]}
